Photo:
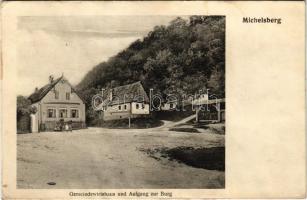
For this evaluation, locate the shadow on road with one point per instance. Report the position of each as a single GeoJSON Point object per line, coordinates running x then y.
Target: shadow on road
{"type": "Point", "coordinates": [206, 158]}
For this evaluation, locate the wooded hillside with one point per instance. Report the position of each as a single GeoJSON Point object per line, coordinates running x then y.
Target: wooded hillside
{"type": "Point", "coordinates": [182, 58]}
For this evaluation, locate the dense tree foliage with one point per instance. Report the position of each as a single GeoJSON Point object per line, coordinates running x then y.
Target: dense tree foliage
{"type": "Point", "coordinates": [23, 106]}
{"type": "Point", "coordinates": [184, 57]}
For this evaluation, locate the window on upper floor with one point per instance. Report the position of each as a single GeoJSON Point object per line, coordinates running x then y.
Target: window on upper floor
{"type": "Point", "coordinates": [67, 96]}
{"type": "Point", "coordinates": [119, 108]}
{"type": "Point", "coordinates": [56, 94]}
{"type": "Point", "coordinates": [125, 107]}
{"type": "Point", "coordinates": [137, 106]}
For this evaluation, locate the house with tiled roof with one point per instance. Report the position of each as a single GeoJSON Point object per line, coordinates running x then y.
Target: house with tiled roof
{"type": "Point", "coordinates": [57, 102]}
{"type": "Point", "coordinates": [127, 101]}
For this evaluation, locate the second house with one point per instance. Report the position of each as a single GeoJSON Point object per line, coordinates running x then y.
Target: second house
{"type": "Point", "coordinates": [127, 101]}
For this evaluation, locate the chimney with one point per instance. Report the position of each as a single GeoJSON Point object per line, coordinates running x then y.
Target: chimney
{"type": "Point", "coordinates": [50, 79]}
{"type": "Point", "coordinates": [36, 89]}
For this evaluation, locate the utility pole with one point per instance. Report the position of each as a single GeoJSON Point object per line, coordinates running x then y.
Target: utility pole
{"type": "Point", "coordinates": [197, 111]}
{"type": "Point", "coordinates": [150, 99]}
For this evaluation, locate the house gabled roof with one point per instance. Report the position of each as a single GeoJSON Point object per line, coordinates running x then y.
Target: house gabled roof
{"type": "Point", "coordinates": [133, 92]}
{"type": "Point", "coordinates": [41, 93]}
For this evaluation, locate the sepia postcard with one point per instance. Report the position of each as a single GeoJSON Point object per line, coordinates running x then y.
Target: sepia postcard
{"type": "Point", "coordinates": [153, 99]}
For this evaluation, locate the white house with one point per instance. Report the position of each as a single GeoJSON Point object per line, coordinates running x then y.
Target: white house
{"type": "Point", "coordinates": [127, 101]}
{"type": "Point", "coordinates": [57, 101]}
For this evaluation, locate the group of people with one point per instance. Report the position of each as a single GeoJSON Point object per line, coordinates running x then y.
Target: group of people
{"type": "Point", "coordinates": [63, 126]}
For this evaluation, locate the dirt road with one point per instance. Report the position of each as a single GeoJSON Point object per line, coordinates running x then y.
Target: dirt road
{"type": "Point", "coordinates": [103, 158]}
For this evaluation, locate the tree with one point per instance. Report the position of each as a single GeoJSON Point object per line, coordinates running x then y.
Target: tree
{"type": "Point", "coordinates": [216, 83]}
{"type": "Point", "coordinates": [23, 106]}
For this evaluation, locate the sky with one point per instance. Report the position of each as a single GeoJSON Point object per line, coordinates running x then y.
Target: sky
{"type": "Point", "coordinates": [73, 45]}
